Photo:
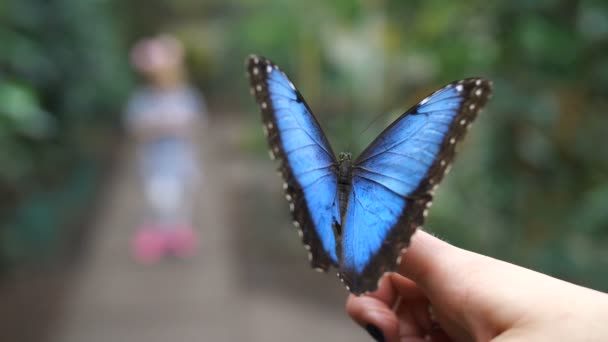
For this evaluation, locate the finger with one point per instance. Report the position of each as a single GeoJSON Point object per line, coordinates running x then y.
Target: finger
{"type": "Point", "coordinates": [392, 325]}
{"type": "Point", "coordinates": [370, 311]}
{"type": "Point", "coordinates": [398, 309]}
{"type": "Point", "coordinates": [426, 260]}
{"type": "Point", "coordinates": [414, 318]}
{"type": "Point", "coordinates": [405, 288]}
{"type": "Point", "coordinates": [440, 336]}
{"type": "Point", "coordinates": [386, 292]}
{"type": "Point", "coordinates": [394, 287]}
{"type": "Point", "coordinates": [435, 267]}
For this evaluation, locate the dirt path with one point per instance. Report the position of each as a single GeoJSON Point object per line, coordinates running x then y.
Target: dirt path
{"type": "Point", "coordinates": [229, 292]}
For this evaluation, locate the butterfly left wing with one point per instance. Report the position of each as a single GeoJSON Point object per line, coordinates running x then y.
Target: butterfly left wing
{"type": "Point", "coordinates": [307, 161]}
{"type": "Point", "coordinates": [394, 178]}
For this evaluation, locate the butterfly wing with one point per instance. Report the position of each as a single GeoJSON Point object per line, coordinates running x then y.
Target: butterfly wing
{"type": "Point", "coordinates": [308, 165]}
{"type": "Point", "coordinates": [394, 178]}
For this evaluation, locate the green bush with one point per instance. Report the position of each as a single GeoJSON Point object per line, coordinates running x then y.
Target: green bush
{"type": "Point", "coordinates": [62, 76]}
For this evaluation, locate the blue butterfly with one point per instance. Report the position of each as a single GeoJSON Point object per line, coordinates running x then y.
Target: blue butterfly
{"type": "Point", "coordinates": [359, 215]}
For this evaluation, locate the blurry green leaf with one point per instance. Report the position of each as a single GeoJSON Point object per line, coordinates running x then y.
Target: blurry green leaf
{"type": "Point", "coordinates": [590, 215]}
{"type": "Point", "coordinates": [20, 106]}
{"type": "Point", "coordinates": [593, 21]}
{"type": "Point", "coordinates": [548, 43]}
{"type": "Point", "coordinates": [534, 147]}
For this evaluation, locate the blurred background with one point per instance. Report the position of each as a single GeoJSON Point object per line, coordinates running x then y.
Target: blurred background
{"type": "Point", "coordinates": [530, 185]}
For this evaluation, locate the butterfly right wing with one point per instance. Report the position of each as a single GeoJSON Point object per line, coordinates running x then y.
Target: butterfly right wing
{"type": "Point", "coordinates": [308, 165]}
{"type": "Point", "coordinates": [394, 178]}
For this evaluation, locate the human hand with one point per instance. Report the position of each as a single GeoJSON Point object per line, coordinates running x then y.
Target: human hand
{"type": "Point", "coordinates": [476, 298]}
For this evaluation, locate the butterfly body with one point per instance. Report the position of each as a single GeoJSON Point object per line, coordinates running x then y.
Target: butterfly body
{"type": "Point", "coordinates": [359, 215]}
{"type": "Point", "coordinates": [345, 167]}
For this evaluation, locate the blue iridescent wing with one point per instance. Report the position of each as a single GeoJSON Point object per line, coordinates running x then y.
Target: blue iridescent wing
{"type": "Point", "coordinates": [308, 165]}
{"type": "Point", "coordinates": [393, 180]}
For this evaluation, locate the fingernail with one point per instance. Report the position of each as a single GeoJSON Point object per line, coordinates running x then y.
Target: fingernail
{"type": "Point", "coordinates": [375, 332]}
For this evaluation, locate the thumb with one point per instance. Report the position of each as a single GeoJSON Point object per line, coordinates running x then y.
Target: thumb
{"type": "Point", "coordinates": [430, 261]}
{"type": "Point", "coordinates": [438, 269]}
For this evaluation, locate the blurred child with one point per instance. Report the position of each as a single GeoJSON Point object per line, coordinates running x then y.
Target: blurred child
{"type": "Point", "coordinates": [163, 117]}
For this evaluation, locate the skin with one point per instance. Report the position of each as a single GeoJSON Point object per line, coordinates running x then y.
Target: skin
{"type": "Point", "coordinates": [477, 298]}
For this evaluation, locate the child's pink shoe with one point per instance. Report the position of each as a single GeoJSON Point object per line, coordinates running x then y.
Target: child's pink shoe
{"type": "Point", "coordinates": [182, 241]}
{"type": "Point", "coordinates": [148, 245]}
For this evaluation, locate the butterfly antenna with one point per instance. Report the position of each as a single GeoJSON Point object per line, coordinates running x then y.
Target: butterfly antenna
{"type": "Point", "coordinates": [349, 145]}
{"type": "Point", "coordinates": [373, 122]}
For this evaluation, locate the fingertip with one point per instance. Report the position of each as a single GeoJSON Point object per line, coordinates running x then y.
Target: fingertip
{"type": "Point", "coordinates": [386, 291]}
{"type": "Point", "coordinates": [423, 260]}
{"type": "Point", "coordinates": [368, 311]}
{"type": "Point", "coordinates": [352, 306]}
{"type": "Point", "coordinates": [375, 332]}
{"type": "Point", "coordinates": [405, 288]}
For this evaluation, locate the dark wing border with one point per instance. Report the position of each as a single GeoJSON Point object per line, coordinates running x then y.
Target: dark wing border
{"type": "Point", "coordinates": [258, 69]}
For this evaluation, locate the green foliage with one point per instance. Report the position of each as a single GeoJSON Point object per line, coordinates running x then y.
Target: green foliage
{"type": "Point", "coordinates": [62, 76]}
